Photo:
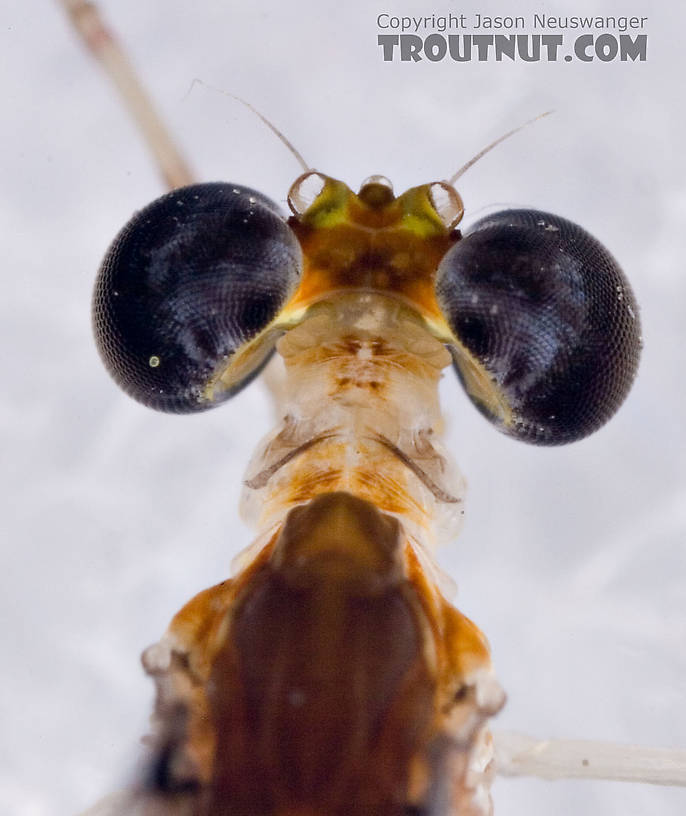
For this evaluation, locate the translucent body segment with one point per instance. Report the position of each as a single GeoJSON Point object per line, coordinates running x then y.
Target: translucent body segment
{"type": "Point", "coordinates": [361, 414]}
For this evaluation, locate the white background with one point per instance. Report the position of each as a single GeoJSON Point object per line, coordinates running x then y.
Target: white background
{"type": "Point", "coordinates": [572, 559]}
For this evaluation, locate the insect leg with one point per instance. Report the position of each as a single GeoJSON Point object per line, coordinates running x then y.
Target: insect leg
{"type": "Point", "coordinates": [521, 755]}
{"type": "Point", "coordinates": [91, 28]}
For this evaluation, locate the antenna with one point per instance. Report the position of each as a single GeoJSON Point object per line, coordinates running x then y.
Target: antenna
{"type": "Point", "coordinates": [451, 181]}
{"type": "Point", "coordinates": [306, 168]}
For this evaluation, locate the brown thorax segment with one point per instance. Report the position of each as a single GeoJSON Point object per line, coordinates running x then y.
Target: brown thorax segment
{"type": "Point", "coordinates": [330, 676]}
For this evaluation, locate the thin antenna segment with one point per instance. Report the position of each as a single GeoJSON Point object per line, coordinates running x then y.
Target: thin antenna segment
{"type": "Point", "coordinates": [451, 181]}
{"type": "Point", "coordinates": [91, 28]}
{"type": "Point", "coordinates": [306, 168]}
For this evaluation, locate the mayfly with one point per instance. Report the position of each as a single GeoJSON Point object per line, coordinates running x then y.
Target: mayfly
{"type": "Point", "coordinates": [330, 675]}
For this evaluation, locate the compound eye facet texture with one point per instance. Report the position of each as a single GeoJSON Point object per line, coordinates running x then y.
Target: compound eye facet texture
{"type": "Point", "coordinates": [547, 313]}
{"type": "Point", "coordinates": [188, 282]}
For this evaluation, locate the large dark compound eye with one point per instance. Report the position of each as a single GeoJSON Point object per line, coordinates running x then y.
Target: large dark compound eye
{"type": "Point", "coordinates": [187, 293]}
{"type": "Point", "coordinates": [546, 323]}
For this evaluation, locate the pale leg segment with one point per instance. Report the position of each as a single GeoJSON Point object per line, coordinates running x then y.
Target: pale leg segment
{"type": "Point", "coordinates": [91, 28]}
